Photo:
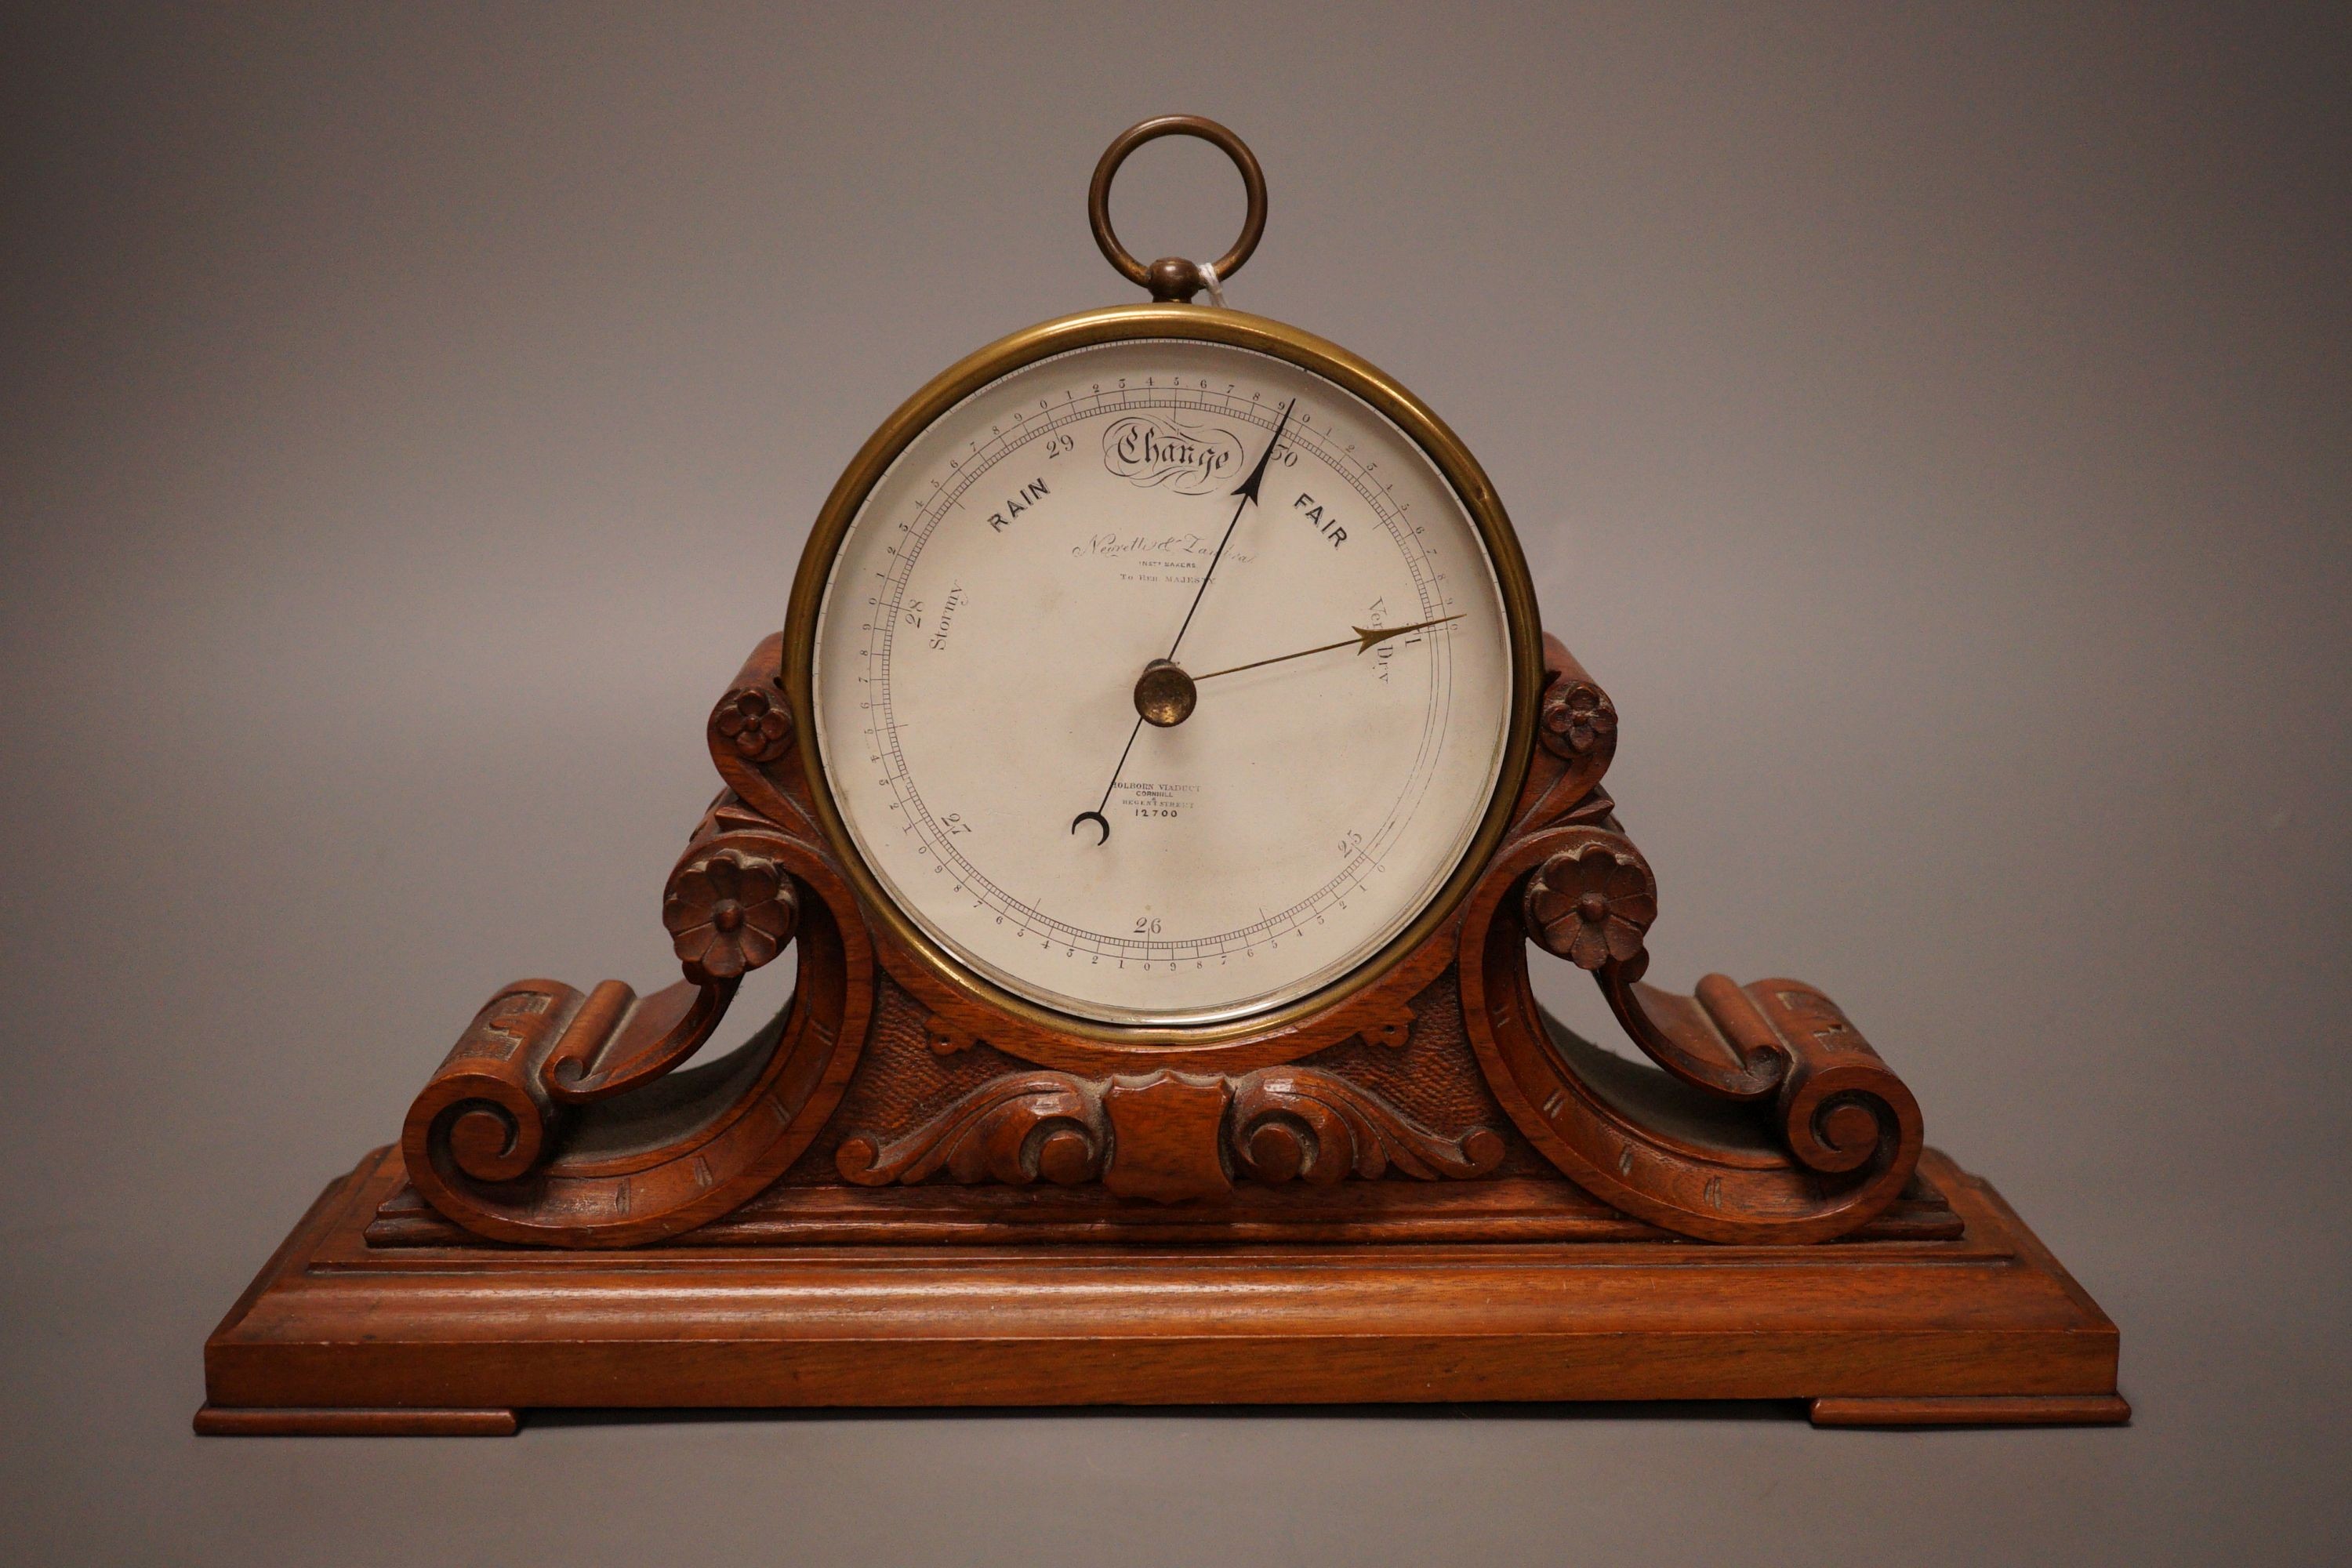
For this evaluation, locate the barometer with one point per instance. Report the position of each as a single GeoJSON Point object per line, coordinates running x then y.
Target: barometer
{"type": "Point", "coordinates": [1164, 680]}
{"type": "Point", "coordinates": [1162, 777]}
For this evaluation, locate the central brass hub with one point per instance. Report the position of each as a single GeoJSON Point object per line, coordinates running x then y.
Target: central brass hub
{"type": "Point", "coordinates": [1164, 694]}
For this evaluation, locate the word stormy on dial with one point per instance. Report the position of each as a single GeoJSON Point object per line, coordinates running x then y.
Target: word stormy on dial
{"type": "Point", "coordinates": [1149, 451]}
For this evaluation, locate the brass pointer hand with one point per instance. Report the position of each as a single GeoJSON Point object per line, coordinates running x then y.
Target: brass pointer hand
{"type": "Point", "coordinates": [1165, 695]}
{"type": "Point", "coordinates": [1366, 640]}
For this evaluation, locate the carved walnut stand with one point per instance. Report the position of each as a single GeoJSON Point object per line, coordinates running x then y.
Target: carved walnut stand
{"type": "Point", "coordinates": [892, 1195]}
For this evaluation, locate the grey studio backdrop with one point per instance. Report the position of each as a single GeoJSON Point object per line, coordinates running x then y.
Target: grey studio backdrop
{"type": "Point", "coordinates": [1929, 423]}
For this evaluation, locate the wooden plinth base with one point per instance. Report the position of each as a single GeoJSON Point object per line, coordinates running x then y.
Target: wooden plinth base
{"type": "Point", "coordinates": [337, 1335]}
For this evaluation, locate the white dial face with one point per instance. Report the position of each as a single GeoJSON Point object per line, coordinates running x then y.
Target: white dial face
{"type": "Point", "coordinates": [1006, 585]}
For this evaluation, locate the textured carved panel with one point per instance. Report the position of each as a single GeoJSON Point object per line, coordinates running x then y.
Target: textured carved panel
{"type": "Point", "coordinates": [1434, 1079]}
{"type": "Point", "coordinates": [901, 1083]}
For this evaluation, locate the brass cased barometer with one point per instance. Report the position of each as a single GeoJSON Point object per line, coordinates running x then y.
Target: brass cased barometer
{"type": "Point", "coordinates": [1110, 495]}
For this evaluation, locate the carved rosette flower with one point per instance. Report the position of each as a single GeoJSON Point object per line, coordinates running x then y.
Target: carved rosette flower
{"type": "Point", "coordinates": [755, 722]}
{"type": "Point", "coordinates": [1591, 905]}
{"type": "Point", "coordinates": [728, 913]}
{"type": "Point", "coordinates": [1576, 717]}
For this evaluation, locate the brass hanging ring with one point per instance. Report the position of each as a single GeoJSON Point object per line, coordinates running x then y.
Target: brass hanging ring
{"type": "Point", "coordinates": [1173, 277]}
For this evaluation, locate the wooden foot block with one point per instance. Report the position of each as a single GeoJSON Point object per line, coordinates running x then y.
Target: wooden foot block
{"type": "Point", "coordinates": [1976, 1410]}
{"type": "Point", "coordinates": [229, 1421]}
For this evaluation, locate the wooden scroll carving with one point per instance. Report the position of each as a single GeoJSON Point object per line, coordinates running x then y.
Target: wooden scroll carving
{"type": "Point", "coordinates": [1773, 1121]}
{"type": "Point", "coordinates": [560, 1118]}
{"type": "Point", "coordinates": [571, 1119]}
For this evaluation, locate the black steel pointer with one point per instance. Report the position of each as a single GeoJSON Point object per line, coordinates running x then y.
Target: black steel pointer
{"type": "Point", "coordinates": [1247, 491]}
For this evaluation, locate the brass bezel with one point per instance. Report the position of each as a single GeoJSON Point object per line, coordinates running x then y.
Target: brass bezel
{"type": "Point", "coordinates": [1200, 324]}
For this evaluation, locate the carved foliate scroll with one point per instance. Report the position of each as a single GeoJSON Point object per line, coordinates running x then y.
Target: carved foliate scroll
{"type": "Point", "coordinates": [1171, 1136]}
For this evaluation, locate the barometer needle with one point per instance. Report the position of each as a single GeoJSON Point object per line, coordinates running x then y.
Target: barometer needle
{"type": "Point", "coordinates": [1247, 491]}
{"type": "Point", "coordinates": [1366, 640]}
{"type": "Point", "coordinates": [1095, 815]}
